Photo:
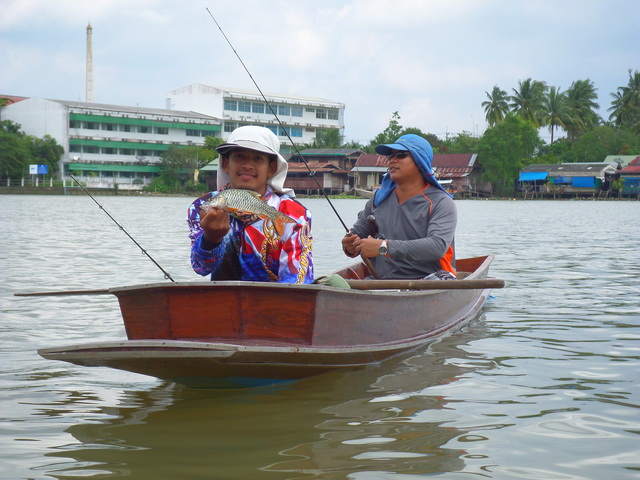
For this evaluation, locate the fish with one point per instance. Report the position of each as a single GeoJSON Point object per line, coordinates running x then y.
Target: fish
{"type": "Point", "coordinates": [239, 201]}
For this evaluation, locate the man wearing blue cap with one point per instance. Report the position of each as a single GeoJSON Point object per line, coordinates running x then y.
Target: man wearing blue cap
{"type": "Point", "coordinates": [414, 216]}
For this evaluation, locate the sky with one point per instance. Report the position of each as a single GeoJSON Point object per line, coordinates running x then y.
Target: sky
{"type": "Point", "coordinates": [432, 61]}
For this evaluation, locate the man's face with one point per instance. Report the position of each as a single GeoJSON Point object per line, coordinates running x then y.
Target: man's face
{"type": "Point", "coordinates": [402, 167]}
{"type": "Point", "coordinates": [248, 169]}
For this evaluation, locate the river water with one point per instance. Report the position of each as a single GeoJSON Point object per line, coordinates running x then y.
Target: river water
{"type": "Point", "coordinates": [544, 384]}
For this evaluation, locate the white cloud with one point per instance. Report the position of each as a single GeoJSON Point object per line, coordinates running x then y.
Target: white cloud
{"type": "Point", "coordinates": [432, 60]}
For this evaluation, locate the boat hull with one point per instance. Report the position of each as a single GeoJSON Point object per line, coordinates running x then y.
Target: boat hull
{"type": "Point", "coordinates": [235, 334]}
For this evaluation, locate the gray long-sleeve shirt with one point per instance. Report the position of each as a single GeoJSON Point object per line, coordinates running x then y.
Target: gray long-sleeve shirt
{"type": "Point", "coordinates": [419, 233]}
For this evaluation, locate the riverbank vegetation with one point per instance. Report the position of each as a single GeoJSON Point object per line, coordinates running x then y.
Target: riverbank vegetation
{"type": "Point", "coordinates": [511, 141]}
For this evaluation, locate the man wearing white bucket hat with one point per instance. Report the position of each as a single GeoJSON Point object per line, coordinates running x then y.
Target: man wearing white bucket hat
{"type": "Point", "coordinates": [237, 246]}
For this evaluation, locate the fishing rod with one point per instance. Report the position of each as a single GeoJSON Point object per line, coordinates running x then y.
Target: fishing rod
{"type": "Point", "coordinates": [166, 274]}
{"type": "Point", "coordinates": [312, 173]}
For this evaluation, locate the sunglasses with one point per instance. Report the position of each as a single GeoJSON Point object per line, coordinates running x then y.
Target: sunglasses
{"type": "Point", "coordinates": [398, 155]}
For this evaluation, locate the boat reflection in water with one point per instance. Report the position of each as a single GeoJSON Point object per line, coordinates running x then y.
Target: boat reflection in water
{"type": "Point", "coordinates": [378, 418]}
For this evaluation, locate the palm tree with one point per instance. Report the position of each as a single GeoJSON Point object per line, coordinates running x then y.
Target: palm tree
{"type": "Point", "coordinates": [496, 107]}
{"type": "Point", "coordinates": [581, 99]}
{"type": "Point", "coordinates": [556, 111]}
{"type": "Point", "coordinates": [329, 138]}
{"type": "Point", "coordinates": [625, 108]}
{"type": "Point", "coordinates": [527, 101]}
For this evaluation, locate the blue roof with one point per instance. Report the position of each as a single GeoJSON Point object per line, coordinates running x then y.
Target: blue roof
{"type": "Point", "coordinates": [531, 176]}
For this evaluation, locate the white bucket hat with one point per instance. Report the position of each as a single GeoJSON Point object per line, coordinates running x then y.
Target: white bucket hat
{"type": "Point", "coordinates": [260, 139]}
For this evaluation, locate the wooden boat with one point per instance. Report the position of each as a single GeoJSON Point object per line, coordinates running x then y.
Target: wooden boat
{"type": "Point", "coordinates": [238, 334]}
{"type": "Point", "coordinates": [361, 192]}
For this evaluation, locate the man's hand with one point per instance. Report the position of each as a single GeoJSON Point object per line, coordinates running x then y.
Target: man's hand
{"type": "Point", "coordinates": [348, 244]}
{"type": "Point", "coordinates": [215, 225]}
{"type": "Point", "coordinates": [367, 247]}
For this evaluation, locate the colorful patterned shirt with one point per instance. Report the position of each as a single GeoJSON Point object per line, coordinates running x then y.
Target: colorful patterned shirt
{"type": "Point", "coordinates": [253, 250]}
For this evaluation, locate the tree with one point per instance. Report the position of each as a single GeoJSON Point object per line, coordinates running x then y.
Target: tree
{"type": "Point", "coordinates": [605, 140]}
{"type": "Point", "coordinates": [625, 107]}
{"type": "Point", "coordinates": [463, 142]}
{"type": "Point", "coordinates": [354, 145]}
{"type": "Point", "coordinates": [389, 134]}
{"type": "Point", "coordinates": [327, 138]}
{"type": "Point", "coordinates": [14, 155]}
{"type": "Point", "coordinates": [45, 151]}
{"type": "Point", "coordinates": [14, 150]}
{"type": "Point", "coordinates": [505, 149]}
{"type": "Point", "coordinates": [4, 101]}
{"type": "Point", "coordinates": [559, 151]}
{"type": "Point", "coordinates": [528, 100]}
{"type": "Point", "coordinates": [210, 143]}
{"type": "Point", "coordinates": [556, 111]}
{"type": "Point", "coordinates": [581, 100]}
{"type": "Point", "coordinates": [496, 107]}
{"type": "Point", "coordinates": [178, 165]}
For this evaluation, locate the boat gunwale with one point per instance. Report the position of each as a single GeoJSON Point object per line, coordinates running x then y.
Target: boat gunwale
{"type": "Point", "coordinates": [231, 284]}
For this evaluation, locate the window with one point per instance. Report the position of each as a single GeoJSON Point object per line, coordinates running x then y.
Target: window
{"type": "Point", "coordinates": [192, 133]}
{"type": "Point", "coordinates": [296, 111]}
{"type": "Point", "coordinates": [91, 126]}
{"type": "Point", "coordinates": [257, 107]}
{"type": "Point", "coordinates": [321, 113]}
{"type": "Point", "coordinates": [143, 129]}
{"type": "Point", "coordinates": [162, 130]}
{"type": "Point", "coordinates": [231, 105]}
{"type": "Point", "coordinates": [296, 131]}
{"type": "Point", "coordinates": [244, 106]}
{"type": "Point", "coordinates": [332, 114]}
{"type": "Point", "coordinates": [125, 128]}
{"type": "Point", "coordinates": [109, 126]}
{"type": "Point", "coordinates": [230, 126]}
{"type": "Point", "coordinates": [75, 124]}
{"type": "Point", "coordinates": [284, 110]}
{"type": "Point", "coordinates": [273, 128]}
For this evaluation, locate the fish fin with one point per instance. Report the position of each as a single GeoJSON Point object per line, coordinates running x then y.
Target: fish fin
{"type": "Point", "coordinates": [280, 220]}
{"type": "Point", "coordinates": [278, 225]}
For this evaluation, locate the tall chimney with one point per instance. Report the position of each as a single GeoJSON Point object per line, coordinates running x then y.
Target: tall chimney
{"type": "Point", "coordinates": [89, 65]}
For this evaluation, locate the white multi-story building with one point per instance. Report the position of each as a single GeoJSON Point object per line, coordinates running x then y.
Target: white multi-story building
{"type": "Point", "coordinates": [108, 145]}
{"type": "Point", "coordinates": [301, 116]}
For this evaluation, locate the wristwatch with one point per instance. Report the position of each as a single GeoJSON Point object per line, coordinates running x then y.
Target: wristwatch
{"type": "Point", "coordinates": [383, 250]}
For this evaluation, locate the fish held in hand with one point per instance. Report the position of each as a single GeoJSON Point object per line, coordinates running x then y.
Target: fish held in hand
{"type": "Point", "coordinates": [238, 201]}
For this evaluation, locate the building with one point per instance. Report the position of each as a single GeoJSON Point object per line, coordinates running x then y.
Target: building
{"type": "Point", "coordinates": [330, 166]}
{"type": "Point", "coordinates": [367, 173]}
{"type": "Point", "coordinates": [457, 173]}
{"type": "Point", "coordinates": [566, 179]}
{"type": "Point", "coordinates": [622, 160]}
{"type": "Point", "coordinates": [301, 116]}
{"type": "Point", "coordinates": [630, 176]}
{"type": "Point", "coordinates": [109, 145]}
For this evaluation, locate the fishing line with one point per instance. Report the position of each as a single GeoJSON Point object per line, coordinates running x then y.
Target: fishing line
{"type": "Point", "coordinates": [312, 173]}
{"type": "Point", "coordinates": [166, 274]}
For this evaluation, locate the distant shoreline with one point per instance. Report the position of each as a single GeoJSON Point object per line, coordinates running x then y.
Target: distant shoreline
{"type": "Point", "coordinates": [110, 192]}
